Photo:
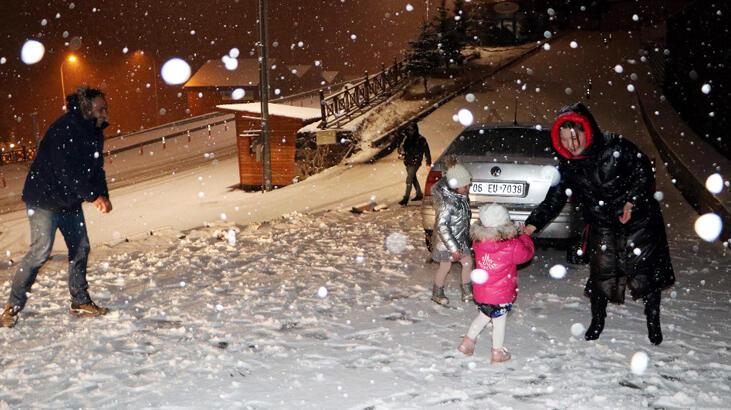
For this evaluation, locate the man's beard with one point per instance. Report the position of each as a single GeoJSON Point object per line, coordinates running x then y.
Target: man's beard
{"type": "Point", "coordinates": [101, 124]}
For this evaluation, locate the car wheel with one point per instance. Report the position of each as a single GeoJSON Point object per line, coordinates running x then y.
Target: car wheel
{"type": "Point", "coordinates": [427, 238]}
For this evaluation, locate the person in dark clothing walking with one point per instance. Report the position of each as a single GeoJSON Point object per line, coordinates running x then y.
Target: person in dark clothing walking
{"type": "Point", "coordinates": [413, 149]}
{"type": "Point", "coordinates": [67, 171]}
{"type": "Point", "coordinates": [613, 182]}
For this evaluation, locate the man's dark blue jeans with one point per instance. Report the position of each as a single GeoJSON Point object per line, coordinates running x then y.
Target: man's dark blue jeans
{"type": "Point", "coordinates": [43, 225]}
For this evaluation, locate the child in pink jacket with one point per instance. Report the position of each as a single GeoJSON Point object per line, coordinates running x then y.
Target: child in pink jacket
{"type": "Point", "coordinates": [499, 248]}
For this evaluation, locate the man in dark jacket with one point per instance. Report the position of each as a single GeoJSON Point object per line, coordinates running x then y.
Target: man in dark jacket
{"type": "Point", "coordinates": [613, 181]}
{"type": "Point", "coordinates": [67, 171]}
{"type": "Point", "coordinates": [413, 149]}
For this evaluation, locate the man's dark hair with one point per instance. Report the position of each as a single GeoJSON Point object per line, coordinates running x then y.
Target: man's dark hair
{"type": "Point", "coordinates": [81, 99]}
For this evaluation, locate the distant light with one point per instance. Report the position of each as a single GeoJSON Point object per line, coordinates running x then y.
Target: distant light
{"type": "Point", "coordinates": [32, 52]}
{"type": "Point", "coordinates": [175, 71]}
{"type": "Point", "coordinates": [72, 59]}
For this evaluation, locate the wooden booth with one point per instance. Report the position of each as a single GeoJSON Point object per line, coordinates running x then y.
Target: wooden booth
{"type": "Point", "coordinates": [284, 122]}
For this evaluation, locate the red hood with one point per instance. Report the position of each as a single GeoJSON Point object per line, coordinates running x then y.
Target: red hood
{"type": "Point", "coordinates": [570, 116]}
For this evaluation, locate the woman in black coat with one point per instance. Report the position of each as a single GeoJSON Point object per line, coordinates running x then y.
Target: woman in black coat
{"type": "Point", "coordinates": [613, 181]}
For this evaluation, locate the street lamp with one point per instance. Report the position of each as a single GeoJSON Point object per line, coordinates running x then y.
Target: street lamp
{"type": "Point", "coordinates": [71, 59]}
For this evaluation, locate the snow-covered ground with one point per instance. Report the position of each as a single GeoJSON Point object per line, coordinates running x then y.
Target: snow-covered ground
{"type": "Point", "coordinates": [199, 321]}
{"type": "Point", "coordinates": [324, 312]}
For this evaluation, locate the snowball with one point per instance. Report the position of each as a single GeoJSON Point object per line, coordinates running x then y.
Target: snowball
{"type": "Point", "coordinates": [547, 34]}
{"type": "Point", "coordinates": [3, 60]}
{"type": "Point", "coordinates": [659, 196]}
{"type": "Point", "coordinates": [630, 88]}
{"type": "Point", "coordinates": [551, 12]}
{"type": "Point", "coordinates": [557, 271]}
{"type": "Point", "coordinates": [637, 251]}
{"type": "Point", "coordinates": [322, 292]}
{"type": "Point", "coordinates": [714, 184]}
{"type": "Point", "coordinates": [479, 276]}
{"type": "Point", "coordinates": [577, 329]}
{"type": "Point", "coordinates": [635, 17]}
{"type": "Point", "coordinates": [96, 154]}
{"type": "Point", "coordinates": [579, 252]}
{"type": "Point", "coordinates": [175, 71]}
{"type": "Point", "coordinates": [359, 259]}
{"type": "Point", "coordinates": [706, 88]}
{"type": "Point", "coordinates": [32, 52]}
{"type": "Point", "coordinates": [182, 284]}
{"type": "Point", "coordinates": [238, 94]}
{"type": "Point", "coordinates": [219, 307]}
{"type": "Point", "coordinates": [470, 98]}
{"type": "Point", "coordinates": [31, 212]}
{"type": "Point", "coordinates": [604, 247]}
{"type": "Point", "coordinates": [234, 53]}
{"type": "Point", "coordinates": [546, 46]}
{"type": "Point", "coordinates": [231, 237]}
{"type": "Point", "coordinates": [396, 242]}
{"type": "Point", "coordinates": [230, 63]}
{"type": "Point", "coordinates": [223, 216]}
{"type": "Point", "coordinates": [569, 192]}
{"type": "Point", "coordinates": [573, 44]}
{"type": "Point", "coordinates": [409, 7]}
{"type": "Point", "coordinates": [551, 173]}
{"type": "Point", "coordinates": [568, 91]}
{"type": "Point", "coordinates": [465, 117]}
{"type": "Point", "coordinates": [616, 154]}
{"type": "Point", "coordinates": [708, 227]}
{"type": "Point", "coordinates": [353, 37]}
{"type": "Point", "coordinates": [619, 69]}
{"type": "Point", "coordinates": [639, 363]}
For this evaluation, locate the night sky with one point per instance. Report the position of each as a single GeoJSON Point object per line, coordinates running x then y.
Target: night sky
{"type": "Point", "coordinates": [193, 30]}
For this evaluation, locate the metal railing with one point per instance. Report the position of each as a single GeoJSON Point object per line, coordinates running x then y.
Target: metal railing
{"type": "Point", "coordinates": [366, 92]}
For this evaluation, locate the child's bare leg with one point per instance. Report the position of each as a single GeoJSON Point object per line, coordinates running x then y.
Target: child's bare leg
{"type": "Point", "coordinates": [477, 325]}
{"type": "Point", "coordinates": [441, 275]}
{"type": "Point", "coordinates": [498, 331]}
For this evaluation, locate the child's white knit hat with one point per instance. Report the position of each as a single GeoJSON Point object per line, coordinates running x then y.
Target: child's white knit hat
{"type": "Point", "coordinates": [494, 215]}
{"type": "Point", "coordinates": [458, 176]}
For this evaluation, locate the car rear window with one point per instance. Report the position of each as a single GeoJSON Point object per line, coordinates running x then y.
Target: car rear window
{"type": "Point", "coordinates": [510, 141]}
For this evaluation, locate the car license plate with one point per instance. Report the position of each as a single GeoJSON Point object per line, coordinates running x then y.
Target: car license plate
{"type": "Point", "coordinates": [498, 188]}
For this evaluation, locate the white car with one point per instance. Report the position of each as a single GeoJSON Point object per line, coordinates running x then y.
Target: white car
{"type": "Point", "coordinates": [514, 166]}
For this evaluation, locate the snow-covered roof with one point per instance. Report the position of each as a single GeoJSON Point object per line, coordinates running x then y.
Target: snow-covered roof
{"type": "Point", "coordinates": [329, 76]}
{"type": "Point", "coordinates": [281, 110]}
{"type": "Point", "coordinates": [215, 74]}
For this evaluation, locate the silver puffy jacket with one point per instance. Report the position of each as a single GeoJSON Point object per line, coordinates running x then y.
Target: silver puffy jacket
{"type": "Point", "coordinates": [452, 224]}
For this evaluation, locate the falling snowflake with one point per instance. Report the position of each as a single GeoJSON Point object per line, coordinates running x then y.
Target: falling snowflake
{"type": "Point", "coordinates": [639, 363]}
{"type": "Point", "coordinates": [557, 271]}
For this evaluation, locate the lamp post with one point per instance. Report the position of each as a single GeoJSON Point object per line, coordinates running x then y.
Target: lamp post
{"type": "Point", "coordinates": [71, 59]}
{"type": "Point", "coordinates": [264, 94]}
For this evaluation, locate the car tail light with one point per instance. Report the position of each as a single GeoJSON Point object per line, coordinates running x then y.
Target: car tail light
{"type": "Point", "coordinates": [431, 179]}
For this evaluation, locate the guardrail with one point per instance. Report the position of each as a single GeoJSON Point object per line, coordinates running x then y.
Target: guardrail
{"type": "Point", "coordinates": [363, 94]}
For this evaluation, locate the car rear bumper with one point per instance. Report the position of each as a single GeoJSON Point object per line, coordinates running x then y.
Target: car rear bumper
{"type": "Point", "coordinates": [564, 226]}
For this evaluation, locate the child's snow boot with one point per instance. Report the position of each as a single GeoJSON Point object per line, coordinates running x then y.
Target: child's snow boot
{"type": "Point", "coordinates": [467, 292]}
{"type": "Point", "coordinates": [467, 347]}
{"type": "Point", "coordinates": [500, 355]}
{"type": "Point", "coordinates": [438, 296]}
